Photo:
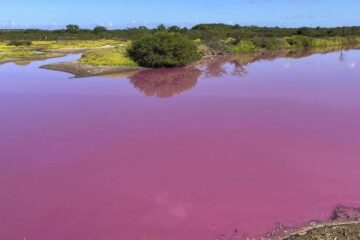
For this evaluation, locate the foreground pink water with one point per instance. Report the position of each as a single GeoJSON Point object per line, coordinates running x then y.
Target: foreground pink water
{"type": "Point", "coordinates": [224, 150]}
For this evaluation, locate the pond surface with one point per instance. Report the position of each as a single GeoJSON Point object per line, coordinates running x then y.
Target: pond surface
{"type": "Point", "coordinates": [208, 152]}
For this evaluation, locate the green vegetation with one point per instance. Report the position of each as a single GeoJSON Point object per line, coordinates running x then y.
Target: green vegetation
{"type": "Point", "coordinates": [100, 30]}
{"type": "Point", "coordinates": [78, 44]}
{"type": "Point", "coordinates": [205, 32]}
{"type": "Point", "coordinates": [8, 50]}
{"type": "Point", "coordinates": [24, 48]}
{"type": "Point", "coordinates": [171, 46]}
{"type": "Point", "coordinates": [163, 49]}
{"type": "Point", "coordinates": [293, 42]}
{"type": "Point", "coordinates": [18, 43]}
{"type": "Point", "coordinates": [108, 57]}
{"type": "Point", "coordinates": [245, 46]}
{"type": "Point", "coordinates": [72, 28]}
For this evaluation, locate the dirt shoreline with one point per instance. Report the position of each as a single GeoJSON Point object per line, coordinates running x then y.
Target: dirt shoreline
{"type": "Point", "coordinates": [85, 70]}
{"type": "Point", "coordinates": [328, 231]}
{"type": "Point", "coordinates": [44, 56]}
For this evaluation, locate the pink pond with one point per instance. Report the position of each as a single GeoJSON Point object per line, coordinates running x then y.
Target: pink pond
{"type": "Point", "coordinates": [208, 152]}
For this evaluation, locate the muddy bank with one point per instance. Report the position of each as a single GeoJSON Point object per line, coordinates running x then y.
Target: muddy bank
{"type": "Point", "coordinates": [49, 53]}
{"type": "Point", "coordinates": [339, 231]}
{"type": "Point", "coordinates": [344, 224]}
{"type": "Point", "coordinates": [85, 70]}
{"type": "Point", "coordinates": [28, 59]}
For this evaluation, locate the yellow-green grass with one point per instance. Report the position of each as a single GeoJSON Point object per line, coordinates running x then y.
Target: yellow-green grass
{"type": "Point", "coordinates": [108, 57]}
{"type": "Point", "coordinates": [77, 44]}
{"type": "Point", "coordinates": [39, 47]}
{"type": "Point", "coordinates": [16, 52]}
{"type": "Point", "coordinates": [293, 42]}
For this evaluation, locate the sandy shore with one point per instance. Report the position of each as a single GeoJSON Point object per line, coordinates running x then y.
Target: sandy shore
{"type": "Point", "coordinates": [331, 231]}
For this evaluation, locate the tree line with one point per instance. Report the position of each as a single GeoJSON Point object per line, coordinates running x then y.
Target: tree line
{"type": "Point", "coordinates": [205, 32]}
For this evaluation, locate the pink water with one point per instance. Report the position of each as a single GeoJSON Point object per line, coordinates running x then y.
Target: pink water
{"type": "Point", "coordinates": [198, 153]}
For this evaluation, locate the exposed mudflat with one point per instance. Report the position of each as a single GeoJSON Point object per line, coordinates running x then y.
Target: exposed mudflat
{"type": "Point", "coordinates": [85, 70]}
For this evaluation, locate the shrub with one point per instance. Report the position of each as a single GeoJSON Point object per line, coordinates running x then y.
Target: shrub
{"type": "Point", "coordinates": [271, 43]}
{"type": "Point", "coordinates": [163, 49]}
{"type": "Point", "coordinates": [18, 43]}
{"type": "Point", "coordinates": [245, 46]}
{"type": "Point", "coordinates": [299, 41]}
{"type": "Point", "coordinates": [72, 28]}
{"type": "Point", "coordinates": [100, 30]}
{"type": "Point", "coordinates": [219, 47]}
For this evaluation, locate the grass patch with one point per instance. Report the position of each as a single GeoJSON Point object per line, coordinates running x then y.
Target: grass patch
{"type": "Point", "coordinates": [245, 46]}
{"type": "Point", "coordinates": [255, 45]}
{"type": "Point", "coordinates": [102, 56]}
{"type": "Point", "coordinates": [7, 51]}
{"type": "Point", "coordinates": [76, 44]}
{"type": "Point", "coordinates": [108, 57]}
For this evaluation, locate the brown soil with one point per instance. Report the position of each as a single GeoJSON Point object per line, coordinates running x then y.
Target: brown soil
{"type": "Point", "coordinates": [333, 231]}
{"type": "Point", "coordinates": [85, 70]}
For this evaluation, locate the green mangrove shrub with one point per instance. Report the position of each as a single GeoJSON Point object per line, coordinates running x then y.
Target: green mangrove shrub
{"type": "Point", "coordinates": [163, 49]}
{"type": "Point", "coordinates": [299, 42]}
{"type": "Point", "coordinates": [99, 30]}
{"type": "Point", "coordinates": [271, 43]}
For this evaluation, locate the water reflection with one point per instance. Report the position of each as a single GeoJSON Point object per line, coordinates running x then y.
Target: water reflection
{"type": "Point", "coordinates": [221, 66]}
{"type": "Point", "coordinates": [343, 59]}
{"type": "Point", "coordinates": [165, 83]}
{"type": "Point", "coordinates": [22, 62]}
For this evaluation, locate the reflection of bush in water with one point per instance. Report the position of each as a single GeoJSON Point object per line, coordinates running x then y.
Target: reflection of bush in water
{"type": "Point", "coordinates": [165, 83]}
{"type": "Point", "coordinates": [225, 65]}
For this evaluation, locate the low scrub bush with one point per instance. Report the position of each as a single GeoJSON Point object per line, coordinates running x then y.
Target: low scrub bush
{"type": "Point", "coordinates": [18, 43]}
{"type": "Point", "coordinates": [245, 46]}
{"type": "Point", "coordinates": [219, 47]}
{"type": "Point", "coordinates": [271, 43]}
{"type": "Point", "coordinates": [163, 49]}
{"type": "Point", "coordinates": [299, 42]}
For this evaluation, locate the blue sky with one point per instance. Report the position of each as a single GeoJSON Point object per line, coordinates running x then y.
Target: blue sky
{"type": "Point", "coordinates": [128, 13]}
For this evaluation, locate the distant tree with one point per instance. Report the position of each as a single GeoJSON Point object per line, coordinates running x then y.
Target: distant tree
{"type": "Point", "coordinates": [72, 28]}
{"type": "Point", "coordinates": [174, 28]}
{"type": "Point", "coordinates": [100, 30]}
{"type": "Point", "coordinates": [142, 28]}
{"type": "Point", "coordinates": [161, 27]}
